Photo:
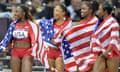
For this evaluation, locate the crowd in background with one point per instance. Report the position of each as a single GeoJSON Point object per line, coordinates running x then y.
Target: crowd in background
{"type": "Point", "coordinates": [44, 8]}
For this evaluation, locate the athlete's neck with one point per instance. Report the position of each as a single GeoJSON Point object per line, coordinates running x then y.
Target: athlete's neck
{"type": "Point", "coordinates": [23, 21]}
{"type": "Point", "coordinates": [87, 17]}
{"type": "Point", "coordinates": [105, 16]}
{"type": "Point", "coordinates": [60, 21]}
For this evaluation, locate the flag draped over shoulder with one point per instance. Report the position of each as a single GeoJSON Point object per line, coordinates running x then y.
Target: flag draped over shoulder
{"type": "Point", "coordinates": [40, 52]}
{"type": "Point", "coordinates": [36, 40]}
{"type": "Point", "coordinates": [49, 33]}
{"type": "Point", "coordinates": [106, 36]}
{"type": "Point", "coordinates": [47, 30]}
{"type": "Point", "coordinates": [69, 61]}
{"type": "Point", "coordinates": [8, 35]}
{"type": "Point", "coordinates": [76, 47]}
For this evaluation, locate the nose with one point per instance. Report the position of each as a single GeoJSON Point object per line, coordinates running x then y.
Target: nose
{"type": "Point", "coordinates": [81, 10]}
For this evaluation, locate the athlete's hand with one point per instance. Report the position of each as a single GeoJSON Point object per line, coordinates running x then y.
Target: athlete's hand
{"type": "Point", "coordinates": [2, 49]}
{"type": "Point", "coordinates": [104, 54]}
{"type": "Point", "coordinates": [107, 52]}
{"type": "Point", "coordinates": [53, 41]}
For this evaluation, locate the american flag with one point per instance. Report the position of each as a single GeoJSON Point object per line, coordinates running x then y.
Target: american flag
{"type": "Point", "coordinates": [8, 36]}
{"type": "Point", "coordinates": [46, 34]}
{"type": "Point", "coordinates": [76, 47]}
{"type": "Point", "coordinates": [106, 36]}
{"type": "Point", "coordinates": [70, 64]}
{"type": "Point", "coordinates": [49, 33]}
{"type": "Point", "coordinates": [34, 38]}
{"type": "Point", "coordinates": [41, 51]}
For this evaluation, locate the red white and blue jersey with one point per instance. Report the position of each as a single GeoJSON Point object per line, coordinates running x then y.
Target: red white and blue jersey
{"type": "Point", "coordinates": [22, 32]}
{"type": "Point", "coordinates": [30, 31]}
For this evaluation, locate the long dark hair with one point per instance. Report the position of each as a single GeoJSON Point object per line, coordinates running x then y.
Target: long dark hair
{"type": "Point", "coordinates": [28, 14]}
{"type": "Point", "coordinates": [92, 5]}
{"type": "Point", "coordinates": [63, 7]}
{"type": "Point", "coordinates": [107, 7]}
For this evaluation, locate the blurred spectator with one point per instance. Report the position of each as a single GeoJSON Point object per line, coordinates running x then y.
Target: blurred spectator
{"type": "Point", "coordinates": [28, 3]}
{"type": "Point", "coordinates": [3, 10]}
{"type": "Point", "coordinates": [35, 7]}
{"type": "Point", "coordinates": [109, 1]}
{"type": "Point", "coordinates": [74, 9]}
{"type": "Point", "coordinates": [3, 1]}
{"type": "Point", "coordinates": [56, 2]}
{"type": "Point", "coordinates": [2, 6]}
{"type": "Point", "coordinates": [14, 1]}
{"type": "Point", "coordinates": [67, 2]}
{"type": "Point", "coordinates": [6, 15]}
{"type": "Point", "coordinates": [37, 4]}
{"type": "Point", "coordinates": [117, 12]}
{"type": "Point", "coordinates": [115, 2]}
{"type": "Point", "coordinates": [13, 11]}
{"type": "Point", "coordinates": [47, 12]}
{"type": "Point", "coordinates": [23, 1]}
